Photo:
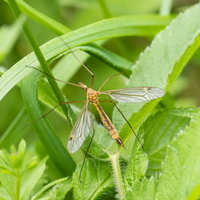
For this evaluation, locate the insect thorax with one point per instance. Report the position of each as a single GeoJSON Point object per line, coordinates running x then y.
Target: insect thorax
{"type": "Point", "coordinates": [92, 95]}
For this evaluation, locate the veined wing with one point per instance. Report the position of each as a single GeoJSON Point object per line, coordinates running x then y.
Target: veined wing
{"type": "Point", "coordinates": [80, 130]}
{"type": "Point", "coordinates": [135, 94]}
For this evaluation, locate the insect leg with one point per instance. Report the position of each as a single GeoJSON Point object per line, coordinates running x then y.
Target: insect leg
{"type": "Point", "coordinates": [80, 62]}
{"type": "Point", "coordinates": [53, 77]}
{"type": "Point", "coordinates": [51, 111]}
{"type": "Point", "coordinates": [125, 120]}
{"type": "Point", "coordinates": [126, 70]}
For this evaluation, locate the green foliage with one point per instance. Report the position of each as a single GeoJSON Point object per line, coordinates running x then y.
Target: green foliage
{"type": "Point", "coordinates": [20, 174]}
{"type": "Point", "coordinates": [167, 168]}
{"type": "Point", "coordinates": [10, 35]}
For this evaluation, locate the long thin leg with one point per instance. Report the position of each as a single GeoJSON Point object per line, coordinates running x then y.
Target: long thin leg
{"type": "Point", "coordinates": [86, 153]}
{"type": "Point", "coordinates": [125, 120]}
{"type": "Point", "coordinates": [52, 110]}
{"type": "Point", "coordinates": [53, 77]}
{"type": "Point", "coordinates": [80, 63]}
{"type": "Point", "coordinates": [112, 77]}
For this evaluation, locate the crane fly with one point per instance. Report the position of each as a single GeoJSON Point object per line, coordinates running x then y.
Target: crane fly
{"type": "Point", "coordinates": [83, 123]}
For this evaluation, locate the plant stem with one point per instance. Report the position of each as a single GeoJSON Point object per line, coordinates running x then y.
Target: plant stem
{"type": "Point", "coordinates": [104, 9]}
{"type": "Point", "coordinates": [66, 108]}
{"type": "Point", "coordinates": [17, 192]}
{"type": "Point", "coordinates": [166, 7]}
{"type": "Point", "coordinates": [117, 174]}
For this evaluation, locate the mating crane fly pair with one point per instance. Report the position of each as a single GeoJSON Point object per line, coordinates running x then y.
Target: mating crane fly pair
{"type": "Point", "coordinates": [83, 122]}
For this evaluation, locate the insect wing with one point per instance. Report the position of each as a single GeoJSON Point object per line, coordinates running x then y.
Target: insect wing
{"type": "Point", "coordinates": [135, 95]}
{"type": "Point", "coordinates": [80, 130]}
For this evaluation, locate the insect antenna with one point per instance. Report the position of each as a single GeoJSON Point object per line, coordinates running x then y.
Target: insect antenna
{"type": "Point", "coordinates": [128, 124]}
{"type": "Point", "coordinates": [92, 83]}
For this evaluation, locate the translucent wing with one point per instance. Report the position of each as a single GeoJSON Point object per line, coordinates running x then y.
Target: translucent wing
{"type": "Point", "coordinates": [135, 95]}
{"type": "Point", "coordinates": [80, 130]}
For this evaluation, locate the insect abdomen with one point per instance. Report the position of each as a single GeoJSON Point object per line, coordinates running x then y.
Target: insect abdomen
{"type": "Point", "coordinates": [108, 124]}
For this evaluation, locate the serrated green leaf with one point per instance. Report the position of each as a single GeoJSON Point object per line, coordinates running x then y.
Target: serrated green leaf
{"type": "Point", "coordinates": [100, 142]}
{"type": "Point", "coordinates": [137, 165]}
{"type": "Point", "coordinates": [142, 190]}
{"type": "Point", "coordinates": [159, 135]}
{"type": "Point", "coordinates": [180, 169]}
{"type": "Point", "coordinates": [96, 180]}
{"type": "Point", "coordinates": [160, 132]}
{"type": "Point", "coordinates": [160, 65]}
{"type": "Point", "coordinates": [135, 181]}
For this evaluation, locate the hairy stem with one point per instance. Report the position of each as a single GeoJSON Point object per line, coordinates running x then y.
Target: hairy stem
{"type": "Point", "coordinates": [117, 174]}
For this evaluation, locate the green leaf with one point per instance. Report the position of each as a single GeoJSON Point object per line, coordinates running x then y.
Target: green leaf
{"type": "Point", "coordinates": [137, 186]}
{"type": "Point", "coordinates": [40, 57]}
{"type": "Point", "coordinates": [96, 180]}
{"type": "Point", "coordinates": [21, 149]}
{"type": "Point", "coordinates": [66, 73]}
{"type": "Point", "coordinates": [17, 179]}
{"type": "Point", "coordinates": [137, 165]}
{"type": "Point", "coordinates": [160, 65]}
{"type": "Point", "coordinates": [142, 190]}
{"type": "Point", "coordinates": [160, 139]}
{"type": "Point", "coordinates": [58, 190]}
{"type": "Point", "coordinates": [30, 179]}
{"type": "Point", "coordinates": [7, 183]}
{"type": "Point", "coordinates": [14, 132]}
{"type": "Point", "coordinates": [50, 140]}
{"type": "Point", "coordinates": [115, 27]}
{"type": "Point", "coordinates": [41, 18]}
{"type": "Point", "coordinates": [112, 59]}
{"type": "Point", "coordinates": [180, 169]}
{"type": "Point", "coordinates": [8, 36]}
{"type": "Point", "coordinates": [155, 145]}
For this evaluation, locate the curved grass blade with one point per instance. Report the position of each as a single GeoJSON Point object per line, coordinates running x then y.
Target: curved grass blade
{"type": "Point", "coordinates": [50, 140]}
{"type": "Point", "coordinates": [128, 26]}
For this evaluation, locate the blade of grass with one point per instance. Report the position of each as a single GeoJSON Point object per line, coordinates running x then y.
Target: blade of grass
{"type": "Point", "coordinates": [41, 18]}
{"type": "Point", "coordinates": [166, 7]}
{"type": "Point", "coordinates": [115, 27]}
{"type": "Point", "coordinates": [67, 110]}
{"type": "Point", "coordinates": [14, 132]}
{"type": "Point", "coordinates": [8, 36]}
{"type": "Point", "coordinates": [50, 140]}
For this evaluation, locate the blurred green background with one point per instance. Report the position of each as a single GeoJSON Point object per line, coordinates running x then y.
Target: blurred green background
{"type": "Point", "coordinates": [75, 14]}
